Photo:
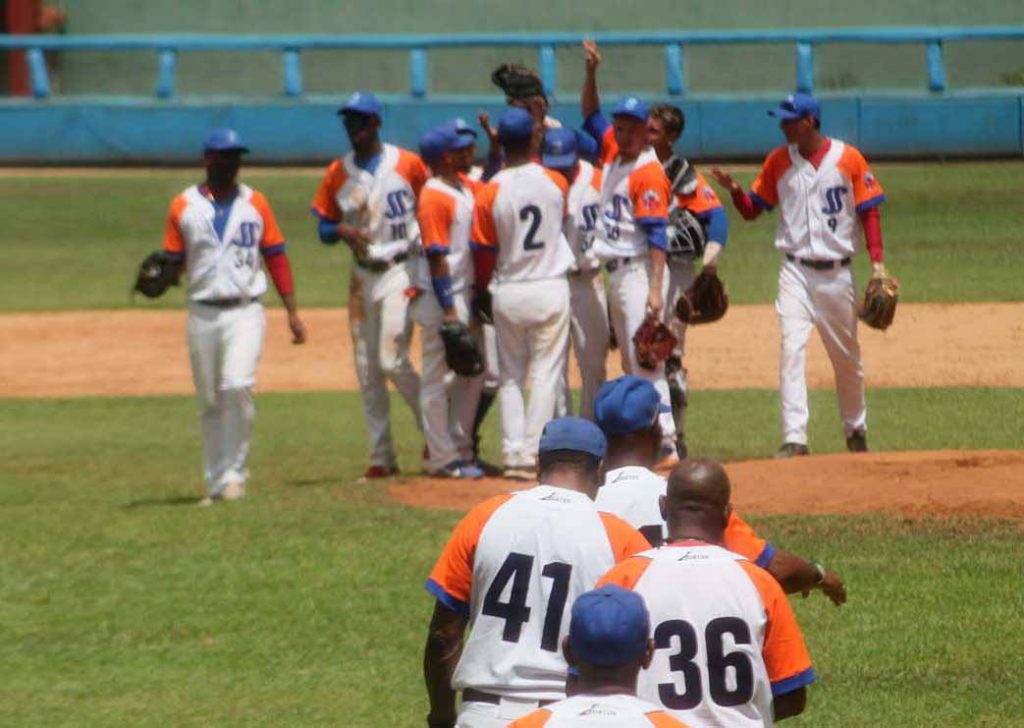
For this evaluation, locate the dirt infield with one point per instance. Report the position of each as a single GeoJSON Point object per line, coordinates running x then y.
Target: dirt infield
{"type": "Point", "coordinates": [115, 353]}
{"type": "Point", "coordinates": [945, 483]}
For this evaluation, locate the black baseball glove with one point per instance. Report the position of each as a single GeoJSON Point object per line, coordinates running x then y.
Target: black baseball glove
{"type": "Point", "coordinates": [704, 302]}
{"type": "Point", "coordinates": [157, 273]}
{"type": "Point", "coordinates": [461, 351]}
{"type": "Point", "coordinates": [517, 81]}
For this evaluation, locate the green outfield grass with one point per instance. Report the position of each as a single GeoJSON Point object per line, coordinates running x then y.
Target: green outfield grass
{"type": "Point", "coordinates": [121, 603]}
{"type": "Point", "coordinates": [951, 232]}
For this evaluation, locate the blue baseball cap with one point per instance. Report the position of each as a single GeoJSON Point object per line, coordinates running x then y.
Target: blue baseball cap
{"type": "Point", "coordinates": [224, 140]}
{"type": "Point", "coordinates": [363, 102]}
{"type": "Point", "coordinates": [573, 433]}
{"type": "Point", "coordinates": [797, 106]}
{"type": "Point", "coordinates": [631, 106]}
{"type": "Point", "coordinates": [586, 145]}
{"type": "Point", "coordinates": [559, 150]}
{"type": "Point", "coordinates": [461, 127]}
{"type": "Point", "coordinates": [627, 405]}
{"type": "Point", "coordinates": [515, 125]}
{"type": "Point", "coordinates": [609, 626]}
{"type": "Point", "coordinates": [436, 142]}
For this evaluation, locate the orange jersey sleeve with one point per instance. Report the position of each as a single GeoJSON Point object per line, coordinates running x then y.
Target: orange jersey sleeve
{"type": "Point", "coordinates": [785, 654]}
{"type": "Point", "coordinates": [867, 192]}
{"type": "Point", "coordinates": [649, 191]}
{"type": "Point", "coordinates": [741, 539]}
{"type": "Point", "coordinates": [451, 580]}
{"type": "Point", "coordinates": [609, 147]}
{"type": "Point", "coordinates": [626, 573]}
{"type": "Point", "coordinates": [701, 199]}
{"type": "Point", "coordinates": [473, 185]}
{"type": "Point", "coordinates": [484, 232]}
{"type": "Point", "coordinates": [273, 239]}
{"type": "Point", "coordinates": [412, 168]}
{"type": "Point", "coordinates": [324, 203]}
{"type": "Point", "coordinates": [765, 187]}
{"type": "Point", "coordinates": [626, 541]}
{"type": "Point", "coordinates": [661, 719]}
{"type": "Point", "coordinates": [173, 241]}
{"type": "Point", "coordinates": [435, 212]}
{"type": "Point", "coordinates": [536, 719]}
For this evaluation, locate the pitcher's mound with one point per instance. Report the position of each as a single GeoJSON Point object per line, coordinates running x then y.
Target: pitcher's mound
{"type": "Point", "coordinates": [943, 482]}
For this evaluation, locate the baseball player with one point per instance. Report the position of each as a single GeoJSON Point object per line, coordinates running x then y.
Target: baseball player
{"type": "Point", "coordinates": [510, 571]}
{"type": "Point", "coordinates": [827, 198]}
{"type": "Point", "coordinates": [626, 411]}
{"type": "Point", "coordinates": [587, 304]}
{"type": "Point", "coordinates": [698, 226]}
{"type": "Point", "coordinates": [368, 200]}
{"type": "Point", "coordinates": [728, 651]}
{"type": "Point", "coordinates": [521, 255]}
{"type": "Point", "coordinates": [607, 646]}
{"type": "Point", "coordinates": [222, 234]}
{"type": "Point", "coordinates": [445, 212]}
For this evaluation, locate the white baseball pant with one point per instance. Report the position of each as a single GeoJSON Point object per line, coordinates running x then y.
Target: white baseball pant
{"type": "Point", "coordinates": [827, 300]}
{"type": "Point", "coordinates": [224, 347]}
{"type": "Point", "coordinates": [382, 353]}
{"type": "Point", "coordinates": [487, 715]}
{"type": "Point", "coordinates": [447, 401]}
{"type": "Point", "coordinates": [628, 286]}
{"type": "Point", "coordinates": [589, 332]}
{"type": "Point", "coordinates": [531, 321]}
{"type": "Point", "coordinates": [681, 274]}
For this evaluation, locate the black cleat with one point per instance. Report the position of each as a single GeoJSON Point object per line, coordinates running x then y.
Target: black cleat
{"type": "Point", "coordinates": [792, 450]}
{"type": "Point", "coordinates": [857, 442]}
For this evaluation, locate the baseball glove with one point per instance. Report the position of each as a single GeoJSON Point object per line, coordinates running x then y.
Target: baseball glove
{"type": "Point", "coordinates": [654, 343]}
{"type": "Point", "coordinates": [461, 351]}
{"type": "Point", "coordinates": [880, 297]}
{"type": "Point", "coordinates": [157, 273]}
{"type": "Point", "coordinates": [518, 82]}
{"type": "Point", "coordinates": [704, 302]}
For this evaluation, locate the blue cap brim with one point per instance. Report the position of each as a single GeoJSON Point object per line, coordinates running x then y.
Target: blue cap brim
{"type": "Point", "coordinates": [558, 161]}
{"type": "Point", "coordinates": [463, 141]}
{"type": "Point", "coordinates": [631, 115]}
{"type": "Point", "coordinates": [240, 150]}
{"type": "Point", "coordinates": [786, 114]}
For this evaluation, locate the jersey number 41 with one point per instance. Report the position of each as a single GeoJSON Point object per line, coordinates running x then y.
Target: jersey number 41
{"type": "Point", "coordinates": [517, 570]}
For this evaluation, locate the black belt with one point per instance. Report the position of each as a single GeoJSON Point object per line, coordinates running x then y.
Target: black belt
{"type": "Point", "coordinates": [379, 266]}
{"type": "Point", "coordinates": [228, 302]}
{"type": "Point", "coordinates": [472, 695]}
{"type": "Point", "coordinates": [615, 263]}
{"type": "Point", "coordinates": [818, 264]}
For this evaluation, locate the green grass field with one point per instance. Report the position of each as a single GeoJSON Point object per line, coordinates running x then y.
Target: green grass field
{"type": "Point", "coordinates": [122, 604]}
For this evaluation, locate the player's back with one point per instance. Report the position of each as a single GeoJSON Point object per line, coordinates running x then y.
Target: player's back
{"type": "Point", "coordinates": [614, 711]}
{"type": "Point", "coordinates": [632, 494]}
{"type": "Point", "coordinates": [536, 553]}
{"type": "Point", "coordinates": [716, 658]}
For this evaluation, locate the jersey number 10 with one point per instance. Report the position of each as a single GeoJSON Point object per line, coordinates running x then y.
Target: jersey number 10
{"type": "Point", "coordinates": [517, 569]}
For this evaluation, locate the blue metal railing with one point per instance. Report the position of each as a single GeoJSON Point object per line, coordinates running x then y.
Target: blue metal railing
{"type": "Point", "coordinates": [167, 48]}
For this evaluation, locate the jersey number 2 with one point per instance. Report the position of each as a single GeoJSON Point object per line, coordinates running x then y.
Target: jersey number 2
{"type": "Point", "coordinates": [517, 569]}
{"type": "Point", "coordinates": [532, 212]}
{"type": "Point", "coordinates": [718, 663]}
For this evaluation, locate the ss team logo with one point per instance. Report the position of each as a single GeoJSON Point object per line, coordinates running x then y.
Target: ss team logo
{"type": "Point", "coordinates": [833, 200]}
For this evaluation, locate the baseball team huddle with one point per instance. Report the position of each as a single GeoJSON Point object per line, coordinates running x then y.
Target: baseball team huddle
{"type": "Point", "coordinates": [605, 594]}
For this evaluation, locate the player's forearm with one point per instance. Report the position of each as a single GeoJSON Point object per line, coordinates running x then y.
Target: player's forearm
{"type": "Point", "coordinates": [484, 260]}
{"type": "Point", "coordinates": [590, 101]}
{"type": "Point", "coordinates": [793, 573]}
{"type": "Point", "coordinates": [441, 281]}
{"type": "Point", "coordinates": [281, 273]}
{"type": "Point", "coordinates": [871, 220]}
{"type": "Point", "coordinates": [744, 204]}
{"type": "Point", "coordinates": [657, 268]}
{"type": "Point", "coordinates": [439, 660]}
{"type": "Point", "coordinates": [789, 704]}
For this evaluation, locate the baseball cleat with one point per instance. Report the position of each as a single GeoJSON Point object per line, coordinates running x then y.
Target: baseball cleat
{"type": "Point", "coordinates": [792, 450]}
{"type": "Point", "coordinates": [208, 501]}
{"type": "Point", "coordinates": [490, 470]}
{"type": "Point", "coordinates": [459, 469]}
{"type": "Point", "coordinates": [376, 472]}
{"type": "Point", "coordinates": [233, 491]}
{"type": "Point", "coordinates": [857, 441]}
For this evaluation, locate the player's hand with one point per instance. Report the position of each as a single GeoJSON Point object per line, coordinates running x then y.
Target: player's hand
{"type": "Point", "coordinates": [354, 237]}
{"type": "Point", "coordinates": [655, 302]}
{"type": "Point", "coordinates": [591, 56]}
{"type": "Point", "coordinates": [725, 179]}
{"type": "Point", "coordinates": [298, 328]}
{"type": "Point", "coordinates": [831, 586]}
{"type": "Point", "coordinates": [485, 123]}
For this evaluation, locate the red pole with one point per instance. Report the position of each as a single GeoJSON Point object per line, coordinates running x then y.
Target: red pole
{"type": "Point", "coordinates": [21, 20]}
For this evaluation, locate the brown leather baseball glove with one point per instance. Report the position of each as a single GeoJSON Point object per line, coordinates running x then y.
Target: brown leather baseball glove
{"type": "Point", "coordinates": [880, 297]}
{"type": "Point", "coordinates": [517, 81]}
{"type": "Point", "coordinates": [704, 302]}
{"type": "Point", "coordinates": [654, 343]}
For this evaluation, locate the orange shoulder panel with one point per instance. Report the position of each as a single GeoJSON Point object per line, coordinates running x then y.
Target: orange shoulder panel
{"type": "Point", "coordinates": [324, 203]}
{"type": "Point", "coordinates": [703, 198]}
{"type": "Point", "coordinates": [661, 719]}
{"type": "Point", "coordinates": [784, 651]}
{"type": "Point", "coordinates": [625, 573]}
{"type": "Point", "coordinates": [766, 184]}
{"type": "Point", "coordinates": [473, 185]}
{"type": "Point", "coordinates": [626, 541]}
{"type": "Point", "coordinates": [435, 212]}
{"type": "Point", "coordinates": [412, 168]}
{"type": "Point", "coordinates": [563, 186]}
{"type": "Point", "coordinates": [536, 719]}
{"type": "Point", "coordinates": [595, 181]}
{"type": "Point", "coordinates": [484, 232]}
{"type": "Point", "coordinates": [453, 571]}
{"type": "Point", "coordinates": [609, 147]}
{"type": "Point", "coordinates": [271, 232]}
{"type": "Point", "coordinates": [649, 190]}
{"type": "Point", "coordinates": [173, 241]}
{"type": "Point", "coordinates": [855, 168]}
{"type": "Point", "coordinates": [741, 539]}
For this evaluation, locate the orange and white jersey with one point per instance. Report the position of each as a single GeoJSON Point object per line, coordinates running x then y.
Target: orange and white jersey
{"type": "Point", "coordinates": [383, 202]}
{"type": "Point", "coordinates": [631, 193]}
{"type": "Point", "coordinates": [725, 636]}
{"type": "Point", "coordinates": [632, 493]}
{"type": "Point", "coordinates": [584, 208]}
{"type": "Point", "coordinates": [702, 199]}
{"type": "Point", "coordinates": [614, 711]}
{"type": "Point", "coordinates": [520, 213]}
{"type": "Point", "coordinates": [513, 567]}
{"type": "Point", "coordinates": [818, 208]}
{"type": "Point", "coordinates": [445, 215]}
{"type": "Point", "coordinates": [229, 264]}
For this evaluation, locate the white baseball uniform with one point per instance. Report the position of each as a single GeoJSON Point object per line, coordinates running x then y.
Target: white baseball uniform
{"type": "Point", "coordinates": [384, 202]}
{"type": "Point", "coordinates": [447, 402]}
{"type": "Point", "coordinates": [223, 245]}
{"type": "Point", "coordinates": [614, 711]}
{"type": "Point", "coordinates": [513, 566]}
{"type": "Point", "coordinates": [632, 192]}
{"type": "Point", "coordinates": [519, 214]}
{"type": "Point", "coordinates": [818, 231]}
{"type": "Point", "coordinates": [725, 636]}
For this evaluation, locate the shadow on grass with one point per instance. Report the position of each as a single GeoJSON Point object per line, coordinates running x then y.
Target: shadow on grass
{"type": "Point", "coordinates": [174, 500]}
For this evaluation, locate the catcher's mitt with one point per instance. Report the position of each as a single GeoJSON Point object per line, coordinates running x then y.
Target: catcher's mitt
{"type": "Point", "coordinates": [880, 297]}
{"type": "Point", "coordinates": [704, 302]}
{"type": "Point", "coordinates": [157, 273]}
{"type": "Point", "coordinates": [461, 351]}
{"type": "Point", "coordinates": [654, 343]}
{"type": "Point", "coordinates": [517, 81]}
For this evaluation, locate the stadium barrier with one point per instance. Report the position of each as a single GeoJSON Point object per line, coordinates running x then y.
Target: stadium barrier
{"type": "Point", "coordinates": [299, 127]}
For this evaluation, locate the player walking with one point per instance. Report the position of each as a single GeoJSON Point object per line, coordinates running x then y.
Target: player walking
{"type": "Point", "coordinates": [826, 196]}
{"type": "Point", "coordinates": [521, 254]}
{"type": "Point", "coordinates": [368, 200]}
{"type": "Point", "coordinates": [222, 233]}
{"type": "Point", "coordinates": [728, 651]}
{"type": "Point", "coordinates": [510, 569]}
{"type": "Point", "coordinates": [445, 212]}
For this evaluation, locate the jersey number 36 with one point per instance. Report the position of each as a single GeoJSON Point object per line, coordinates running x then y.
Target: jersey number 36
{"type": "Point", "coordinates": [719, 663]}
